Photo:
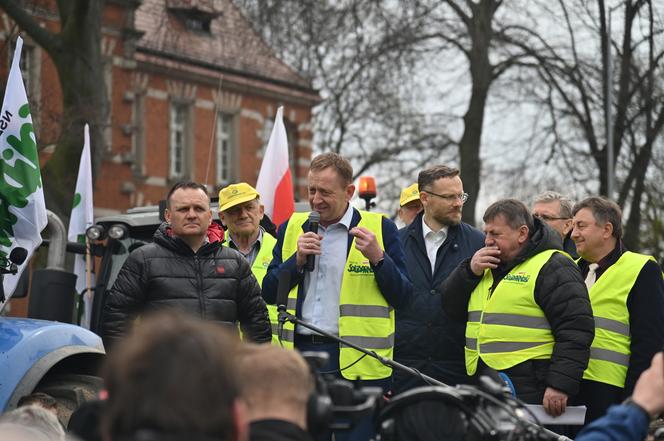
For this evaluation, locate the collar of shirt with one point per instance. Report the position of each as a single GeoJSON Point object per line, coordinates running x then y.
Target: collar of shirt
{"type": "Point", "coordinates": [605, 262]}
{"type": "Point", "coordinates": [433, 236]}
{"type": "Point", "coordinates": [345, 220]}
{"type": "Point", "coordinates": [258, 241]}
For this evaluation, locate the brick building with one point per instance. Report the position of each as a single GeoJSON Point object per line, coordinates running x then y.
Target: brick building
{"type": "Point", "coordinates": [193, 92]}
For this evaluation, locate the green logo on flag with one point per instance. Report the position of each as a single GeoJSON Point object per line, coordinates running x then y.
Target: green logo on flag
{"type": "Point", "coordinates": [19, 174]}
{"type": "Point", "coordinates": [77, 200]}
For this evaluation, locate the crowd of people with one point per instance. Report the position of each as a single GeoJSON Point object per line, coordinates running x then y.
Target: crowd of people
{"type": "Point", "coordinates": [546, 295]}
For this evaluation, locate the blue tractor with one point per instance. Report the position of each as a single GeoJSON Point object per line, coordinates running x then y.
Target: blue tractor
{"type": "Point", "coordinates": [55, 357]}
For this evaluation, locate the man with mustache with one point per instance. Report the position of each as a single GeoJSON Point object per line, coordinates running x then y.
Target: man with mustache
{"type": "Point", "coordinates": [184, 269]}
{"type": "Point", "coordinates": [525, 306]}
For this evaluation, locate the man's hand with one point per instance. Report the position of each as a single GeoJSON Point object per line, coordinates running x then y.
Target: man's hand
{"type": "Point", "coordinates": [307, 244]}
{"type": "Point", "coordinates": [554, 401]}
{"type": "Point", "coordinates": [649, 389]}
{"type": "Point", "coordinates": [366, 242]}
{"type": "Point", "coordinates": [487, 257]}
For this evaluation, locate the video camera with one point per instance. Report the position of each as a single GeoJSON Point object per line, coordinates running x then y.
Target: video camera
{"type": "Point", "coordinates": [438, 412]}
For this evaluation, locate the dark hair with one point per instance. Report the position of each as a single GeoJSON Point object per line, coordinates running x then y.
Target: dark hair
{"type": "Point", "coordinates": [604, 211]}
{"type": "Point", "coordinates": [335, 161]}
{"type": "Point", "coordinates": [172, 374]}
{"type": "Point", "coordinates": [39, 399]}
{"type": "Point", "coordinates": [185, 184]}
{"type": "Point", "coordinates": [432, 174]}
{"type": "Point", "coordinates": [514, 211]}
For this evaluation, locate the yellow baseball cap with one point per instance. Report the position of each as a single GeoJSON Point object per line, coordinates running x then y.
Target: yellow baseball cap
{"type": "Point", "coordinates": [236, 194]}
{"type": "Point", "coordinates": [409, 194]}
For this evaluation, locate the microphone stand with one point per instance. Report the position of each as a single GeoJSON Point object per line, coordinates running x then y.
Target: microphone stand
{"type": "Point", "coordinates": [285, 316]}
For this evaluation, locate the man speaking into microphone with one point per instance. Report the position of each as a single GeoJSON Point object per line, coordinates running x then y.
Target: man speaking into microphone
{"type": "Point", "coordinates": [355, 278]}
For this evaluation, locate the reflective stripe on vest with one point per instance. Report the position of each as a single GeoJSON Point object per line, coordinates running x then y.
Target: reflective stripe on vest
{"type": "Point", "coordinates": [507, 327]}
{"type": "Point", "coordinates": [259, 270]}
{"type": "Point", "coordinates": [365, 318]}
{"type": "Point", "coordinates": [610, 351]}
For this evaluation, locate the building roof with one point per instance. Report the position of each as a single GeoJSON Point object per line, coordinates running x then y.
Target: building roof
{"type": "Point", "coordinates": [229, 43]}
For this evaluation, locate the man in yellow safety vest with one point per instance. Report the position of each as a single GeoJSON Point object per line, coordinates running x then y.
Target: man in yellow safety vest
{"type": "Point", "coordinates": [241, 211]}
{"type": "Point", "coordinates": [358, 277]}
{"type": "Point", "coordinates": [627, 296]}
{"type": "Point", "coordinates": [526, 308]}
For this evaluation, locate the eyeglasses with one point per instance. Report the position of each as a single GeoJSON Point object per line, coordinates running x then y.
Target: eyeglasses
{"type": "Point", "coordinates": [547, 218]}
{"type": "Point", "coordinates": [463, 197]}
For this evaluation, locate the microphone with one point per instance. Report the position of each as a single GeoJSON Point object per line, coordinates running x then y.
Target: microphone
{"type": "Point", "coordinates": [314, 218]}
{"type": "Point", "coordinates": [18, 255]}
{"type": "Point", "coordinates": [283, 288]}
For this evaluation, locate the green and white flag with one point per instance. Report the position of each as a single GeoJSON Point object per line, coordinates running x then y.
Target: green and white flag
{"type": "Point", "coordinates": [22, 208]}
{"type": "Point", "coordinates": [82, 216]}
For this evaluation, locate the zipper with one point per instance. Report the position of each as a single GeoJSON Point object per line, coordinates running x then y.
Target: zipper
{"type": "Point", "coordinates": [199, 276]}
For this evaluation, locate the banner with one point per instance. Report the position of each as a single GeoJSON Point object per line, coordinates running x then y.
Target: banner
{"type": "Point", "coordinates": [82, 217]}
{"type": "Point", "coordinates": [22, 208]}
{"type": "Point", "coordinates": [275, 184]}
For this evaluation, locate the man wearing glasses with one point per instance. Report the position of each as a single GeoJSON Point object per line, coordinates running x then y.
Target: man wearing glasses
{"type": "Point", "coordinates": [434, 243]}
{"type": "Point", "coordinates": [556, 211]}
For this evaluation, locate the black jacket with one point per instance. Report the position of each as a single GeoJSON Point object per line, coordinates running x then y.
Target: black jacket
{"type": "Point", "coordinates": [214, 283]}
{"type": "Point", "coordinates": [426, 339]}
{"type": "Point", "coordinates": [276, 430]}
{"type": "Point", "coordinates": [563, 297]}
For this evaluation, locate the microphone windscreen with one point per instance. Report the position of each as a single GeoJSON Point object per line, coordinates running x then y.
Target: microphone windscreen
{"type": "Point", "coordinates": [314, 217]}
{"type": "Point", "coordinates": [283, 287]}
{"type": "Point", "coordinates": [18, 255]}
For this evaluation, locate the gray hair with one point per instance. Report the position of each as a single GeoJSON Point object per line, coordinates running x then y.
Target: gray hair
{"type": "Point", "coordinates": [566, 204]}
{"type": "Point", "coordinates": [35, 418]}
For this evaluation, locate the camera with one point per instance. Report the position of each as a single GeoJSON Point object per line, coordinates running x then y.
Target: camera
{"type": "Point", "coordinates": [428, 413]}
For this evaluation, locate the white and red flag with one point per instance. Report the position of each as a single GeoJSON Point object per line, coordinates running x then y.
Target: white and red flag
{"type": "Point", "coordinates": [275, 184]}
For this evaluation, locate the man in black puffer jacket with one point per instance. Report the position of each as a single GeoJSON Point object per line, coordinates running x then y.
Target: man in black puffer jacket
{"type": "Point", "coordinates": [183, 269]}
{"type": "Point", "coordinates": [525, 306]}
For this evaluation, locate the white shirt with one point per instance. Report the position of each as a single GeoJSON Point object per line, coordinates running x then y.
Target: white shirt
{"type": "Point", "coordinates": [322, 286]}
{"type": "Point", "coordinates": [433, 240]}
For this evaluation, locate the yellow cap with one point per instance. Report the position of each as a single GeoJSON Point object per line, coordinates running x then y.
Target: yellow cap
{"type": "Point", "coordinates": [409, 194]}
{"type": "Point", "coordinates": [236, 194]}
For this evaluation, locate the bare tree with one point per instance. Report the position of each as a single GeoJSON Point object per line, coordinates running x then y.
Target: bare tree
{"type": "Point", "coordinates": [364, 57]}
{"type": "Point", "coordinates": [76, 52]}
{"type": "Point", "coordinates": [572, 87]}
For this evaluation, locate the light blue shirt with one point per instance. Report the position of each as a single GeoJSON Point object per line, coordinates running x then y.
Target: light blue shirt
{"type": "Point", "coordinates": [253, 248]}
{"type": "Point", "coordinates": [322, 286]}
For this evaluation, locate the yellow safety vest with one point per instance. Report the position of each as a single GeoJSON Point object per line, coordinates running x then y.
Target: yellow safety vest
{"type": "Point", "coordinates": [610, 351]}
{"type": "Point", "coordinates": [507, 327]}
{"type": "Point", "coordinates": [259, 269]}
{"type": "Point", "coordinates": [365, 317]}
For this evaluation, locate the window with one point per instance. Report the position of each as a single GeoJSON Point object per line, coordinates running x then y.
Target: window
{"type": "Point", "coordinates": [225, 147]}
{"type": "Point", "coordinates": [178, 144]}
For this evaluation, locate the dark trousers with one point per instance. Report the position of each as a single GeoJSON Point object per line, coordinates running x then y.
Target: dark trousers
{"type": "Point", "coordinates": [597, 397]}
{"type": "Point", "coordinates": [364, 429]}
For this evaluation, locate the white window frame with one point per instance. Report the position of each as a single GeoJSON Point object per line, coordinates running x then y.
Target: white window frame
{"type": "Point", "coordinates": [225, 143]}
{"type": "Point", "coordinates": [177, 151]}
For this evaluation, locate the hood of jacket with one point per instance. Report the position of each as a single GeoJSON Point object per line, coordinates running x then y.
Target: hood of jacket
{"type": "Point", "coordinates": [164, 237]}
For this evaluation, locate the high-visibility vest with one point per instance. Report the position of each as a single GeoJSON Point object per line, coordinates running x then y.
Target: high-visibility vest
{"type": "Point", "coordinates": [259, 269]}
{"type": "Point", "coordinates": [365, 317]}
{"type": "Point", "coordinates": [610, 351]}
{"type": "Point", "coordinates": [507, 327]}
